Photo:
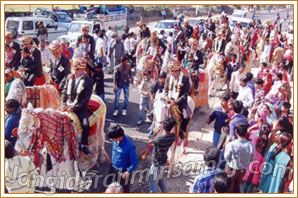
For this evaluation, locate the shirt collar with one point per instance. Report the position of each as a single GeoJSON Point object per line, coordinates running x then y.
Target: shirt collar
{"type": "Point", "coordinates": [79, 78]}
{"type": "Point", "coordinates": [123, 141]}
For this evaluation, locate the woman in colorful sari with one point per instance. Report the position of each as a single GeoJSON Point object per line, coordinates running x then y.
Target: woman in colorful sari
{"type": "Point", "coordinates": [277, 159]}
{"type": "Point", "coordinates": [268, 113]}
{"type": "Point", "coordinates": [253, 172]}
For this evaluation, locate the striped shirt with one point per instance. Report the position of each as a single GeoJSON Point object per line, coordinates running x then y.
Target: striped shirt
{"type": "Point", "coordinates": [162, 144]}
{"type": "Point", "coordinates": [203, 182]}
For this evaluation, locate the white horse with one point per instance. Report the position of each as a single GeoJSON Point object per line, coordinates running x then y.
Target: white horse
{"type": "Point", "coordinates": [141, 49]}
{"type": "Point", "coordinates": [215, 70]}
{"type": "Point", "coordinates": [146, 63]}
{"type": "Point", "coordinates": [47, 131]}
{"type": "Point", "coordinates": [160, 111]}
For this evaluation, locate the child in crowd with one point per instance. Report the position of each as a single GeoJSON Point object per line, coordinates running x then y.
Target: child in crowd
{"type": "Point", "coordinates": [220, 116]}
{"type": "Point", "coordinates": [9, 54]}
{"type": "Point", "coordinates": [145, 100]}
{"type": "Point", "coordinates": [85, 46]}
{"type": "Point", "coordinates": [98, 78]}
{"type": "Point", "coordinates": [28, 67]}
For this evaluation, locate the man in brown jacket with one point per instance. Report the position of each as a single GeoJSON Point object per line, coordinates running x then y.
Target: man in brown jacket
{"type": "Point", "coordinates": [278, 54]}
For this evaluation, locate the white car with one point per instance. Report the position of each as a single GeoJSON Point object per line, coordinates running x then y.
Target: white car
{"type": "Point", "coordinates": [27, 26]}
{"type": "Point", "coordinates": [75, 30]}
{"type": "Point", "coordinates": [243, 21]}
{"type": "Point", "coordinates": [166, 25]}
{"type": "Point", "coordinates": [61, 18]}
{"type": "Point", "coordinates": [239, 13]}
{"type": "Point", "coordinates": [192, 21]}
{"type": "Point", "coordinates": [290, 32]}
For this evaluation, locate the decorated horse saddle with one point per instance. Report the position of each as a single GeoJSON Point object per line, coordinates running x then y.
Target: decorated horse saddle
{"type": "Point", "coordinates": [94, 110]}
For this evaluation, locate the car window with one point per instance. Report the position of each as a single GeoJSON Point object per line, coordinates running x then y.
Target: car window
{"type": "Point", "coordinates": [234, 23]}
{"type": "Point", "coordinates": [238, 15]}
{"type": "Point", "coordinates": [27, 25]}
{"type": "Point", "coordinates": [50, 24]}
{"type": "Point", "coordinates": [96, 27]}
{"type": "Point", "coordinates": [36, 25]}
{"type": "Point", "coordinates": [12, 25]}
{"type": "Point", "coordinates": [244, 25]}
{"type": "Point", "coordinates": [193, 22]}
{"type": "Point", "coordinates": [64, 18]}
{"type": "Point", "coordinates": [165, 25]}
{"type": "Point", "coordinates": [54, 17]}
{"type": "Point", "coordinates": [76, 27]}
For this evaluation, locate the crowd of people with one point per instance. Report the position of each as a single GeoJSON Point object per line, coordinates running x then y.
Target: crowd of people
{"type": "Point", "coordinates": [253, 128]}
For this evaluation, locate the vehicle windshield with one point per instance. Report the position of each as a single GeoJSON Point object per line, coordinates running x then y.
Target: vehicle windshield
{"type": "Point", "coordinates": [165, 25]}
{"type": "Point", "coordinates": [77, 27]}
{"type": "Point", "coordinates": [238, 15]}
{"type": "Point", "coordinates": [192, 22]}
{"type": "Point", "coordinates": [64, 18]}
{"type": "Point", "coordinates": [12, 25]}
{"type": "Point", "coordinates": [243, 24]}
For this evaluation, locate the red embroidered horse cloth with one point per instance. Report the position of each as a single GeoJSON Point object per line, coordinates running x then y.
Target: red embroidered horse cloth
{"type": "Point", "coordinates": [56, 130]}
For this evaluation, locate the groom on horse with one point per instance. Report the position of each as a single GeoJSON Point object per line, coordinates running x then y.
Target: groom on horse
{"type": "Point", "coordinates": [75, 97]}
{"type": "Point", "coordinates": [177, 88]}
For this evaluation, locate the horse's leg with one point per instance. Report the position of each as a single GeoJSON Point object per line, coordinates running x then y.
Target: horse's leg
{"type": "Point", "coordinates": [55, 169]}
{"type": "Point", "coordinates": [101, 141]}
{"type": "Point", "coordinates": [69, 162]}
{"type": "Point", "coordinates": [211, 85]}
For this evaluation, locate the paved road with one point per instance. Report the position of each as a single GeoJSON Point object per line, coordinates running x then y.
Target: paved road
{"type": "Point", "coordinates": [273, 15]}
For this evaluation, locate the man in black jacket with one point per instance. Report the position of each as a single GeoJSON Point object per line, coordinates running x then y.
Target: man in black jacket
{"type": "Point", "coordinates": [188, 30]}
{"type": "Point", "coordinates": [91, 41]}
{"type": "Point", "coordinates": [145, 33]}
{"type": "Point", "coordinates": [197, 59]}
{"type": "Point", "coordinates": [35, 55]}
{"type": "Point", "coordinates": [16, 61]}
{"type": "Point", "coordinates": [177, 88]}
{"type": "Point", "coordinates": [59, 66]}
{"type": "Point", "coordinates": [75, 97]}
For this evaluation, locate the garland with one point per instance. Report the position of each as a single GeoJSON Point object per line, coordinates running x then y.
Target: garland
{"type": "Point", "coordinates": [79, 90]}
{"type": "Point", "coordinates": [178, 87]}
{"type": "Point", "coordinates": [217, 46]}
{"type": "Point", "coordinates": [157, 44]}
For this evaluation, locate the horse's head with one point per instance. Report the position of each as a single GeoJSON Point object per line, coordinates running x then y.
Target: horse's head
{"type": "Point", "coordinates": [219, 60]}
{"type": "Point", "coordinates": [160, 109]}
{"type": "Point", "coordinates": [27, 130]}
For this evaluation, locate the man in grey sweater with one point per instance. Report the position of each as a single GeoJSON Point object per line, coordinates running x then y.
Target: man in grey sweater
{"type": "Point", "coordinates": [117, 50]}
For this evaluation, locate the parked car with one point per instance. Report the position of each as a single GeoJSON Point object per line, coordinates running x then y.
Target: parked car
{"type": "Point", "coordinates": [166, 25]}
{"type": "Point", "coordinates": [243, 21]}
{"type": "Point", "coordinates": [61, 18]}
{"type": "Point", "coordinates": [290, 27]}
{"type": "Point", "coordinates": [239, 13]}
{"type": "Point", "coordinates": [192, 22]}
{"type": "Point", "coordinates": [290, 31]}
{"type": "Point", "coordinates": [27, 26]}
{"type": "Point", "coordinates": [75, 30]}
